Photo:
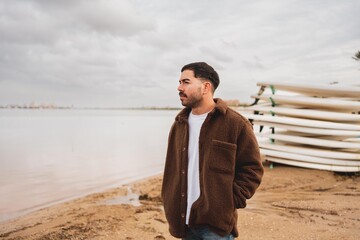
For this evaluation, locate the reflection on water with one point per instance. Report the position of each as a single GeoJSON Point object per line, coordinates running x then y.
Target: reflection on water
{"type": "Point", "coordinates": [47, 156]}
{"type": "Point", "coordinates": [129, 198]}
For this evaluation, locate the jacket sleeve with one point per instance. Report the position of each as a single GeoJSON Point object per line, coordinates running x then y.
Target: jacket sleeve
{"type": "Point", "coordinates": [248, 168]}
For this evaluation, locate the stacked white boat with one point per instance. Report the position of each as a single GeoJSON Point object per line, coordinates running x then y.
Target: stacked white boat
{"type": "Point", "coordinates": [308, 125]}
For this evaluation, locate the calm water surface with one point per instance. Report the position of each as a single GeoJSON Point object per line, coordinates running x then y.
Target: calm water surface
{"type": "Point", "coordinates": [48, 156]}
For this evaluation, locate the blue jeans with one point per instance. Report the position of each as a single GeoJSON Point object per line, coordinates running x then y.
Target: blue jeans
{"type": "Point", "coordinates": [204, 233]}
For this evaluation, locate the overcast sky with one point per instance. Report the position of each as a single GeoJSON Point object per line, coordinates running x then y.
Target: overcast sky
{"type": "Point", "coordinates": [118, 53]}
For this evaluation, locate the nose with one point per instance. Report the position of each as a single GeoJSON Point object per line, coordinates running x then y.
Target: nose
{"type": "Point", "coordinates": [180, 88]}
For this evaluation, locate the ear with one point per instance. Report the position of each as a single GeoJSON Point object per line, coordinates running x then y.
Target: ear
{"type": "Point", "coordinates": [207, 87]}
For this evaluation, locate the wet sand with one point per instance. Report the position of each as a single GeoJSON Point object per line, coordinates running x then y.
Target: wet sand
{"type": "Point", "coordinates": [291, 203]}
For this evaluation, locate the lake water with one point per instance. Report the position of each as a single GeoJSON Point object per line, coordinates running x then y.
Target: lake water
{"type": "Point", "coordinates": [49, 156]}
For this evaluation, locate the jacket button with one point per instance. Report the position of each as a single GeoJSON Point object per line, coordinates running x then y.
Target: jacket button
{"type": "Point", "coordinates": [184, 149]}
{"type": "Point", "coordinates": [183, 215]}
{"type": "Point", "coordinates": [183, 194]}
{"type": "Point", "coordinates": [183, 171]}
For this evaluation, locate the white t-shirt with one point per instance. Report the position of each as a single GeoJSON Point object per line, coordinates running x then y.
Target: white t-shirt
{"type": "Point", "coordinates": [195, 123]}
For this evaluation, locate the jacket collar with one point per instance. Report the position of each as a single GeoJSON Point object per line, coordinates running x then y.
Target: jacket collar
{"type": "Point", "coordinates": [220, 107]}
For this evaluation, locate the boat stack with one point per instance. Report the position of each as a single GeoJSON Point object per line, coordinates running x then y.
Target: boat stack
{"type": "Point", "coordinates": [308, 125]}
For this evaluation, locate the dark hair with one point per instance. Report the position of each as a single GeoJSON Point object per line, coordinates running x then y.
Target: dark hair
{"type": "Point", "coordinates": [205, 71]}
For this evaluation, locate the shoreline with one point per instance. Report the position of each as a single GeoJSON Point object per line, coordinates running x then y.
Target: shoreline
{"type": "Point", "coordinates": [291, 203]}
{"type": "Point", "coordinates": [23, 212]}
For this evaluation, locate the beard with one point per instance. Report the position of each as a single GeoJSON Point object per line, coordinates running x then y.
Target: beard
{"type": "Point", "coordinates": [192, 100]}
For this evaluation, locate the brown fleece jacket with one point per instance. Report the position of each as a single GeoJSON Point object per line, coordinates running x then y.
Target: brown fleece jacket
{"type": "Point", "coordinates": [230, 171]}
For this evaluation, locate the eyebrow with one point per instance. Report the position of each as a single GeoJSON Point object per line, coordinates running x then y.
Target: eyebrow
{"type": "Point", "coordinates": [184, 79]}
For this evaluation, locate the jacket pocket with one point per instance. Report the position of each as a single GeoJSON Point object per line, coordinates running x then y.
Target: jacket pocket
{"type": "Point", "coordinates": [222, 156]}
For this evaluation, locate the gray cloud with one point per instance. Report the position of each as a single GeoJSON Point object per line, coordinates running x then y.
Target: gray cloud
{"type": "Point", "coordinates": [218, 54]}
{"type": "Point", "coordinates": [109, 52]}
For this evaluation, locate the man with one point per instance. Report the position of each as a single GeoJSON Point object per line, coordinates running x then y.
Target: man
{"type": "Point", "coordinates": [213, 163]}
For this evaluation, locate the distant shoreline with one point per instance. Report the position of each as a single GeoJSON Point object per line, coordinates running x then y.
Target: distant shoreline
{"type": "Point", "coordinates": [230, 103]}
{"type": "Point", "coordinates": [104, 108]}
{"type": "Point", "coordinates": [92, 108]}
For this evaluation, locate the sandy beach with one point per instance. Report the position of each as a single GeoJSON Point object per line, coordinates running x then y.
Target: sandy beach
{"type": "Point", "coordinates": [291, 203]}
